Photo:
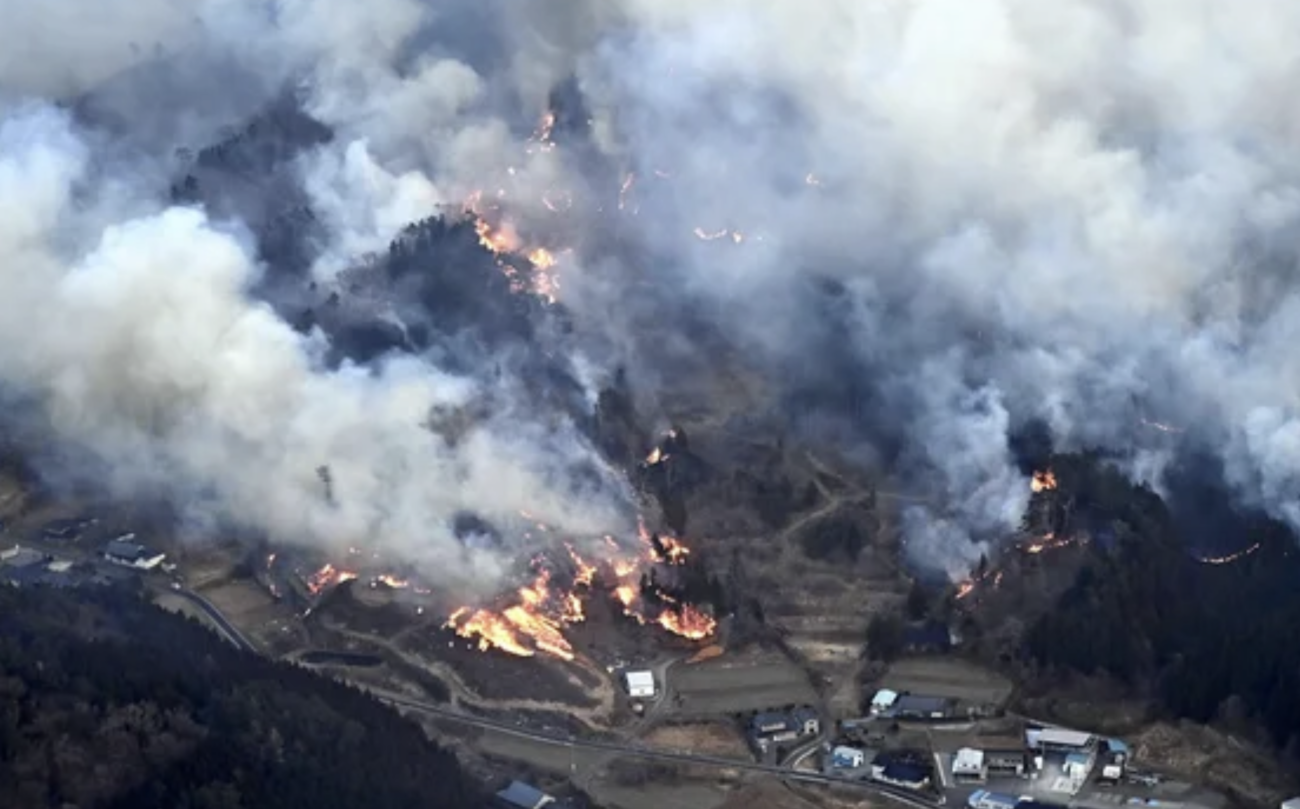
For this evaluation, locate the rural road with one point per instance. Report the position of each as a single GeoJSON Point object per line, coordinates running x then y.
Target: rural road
{"type": "Point", "coordinates": [227, 628]}
{"type": "Point", "coordinates": [630, 750]}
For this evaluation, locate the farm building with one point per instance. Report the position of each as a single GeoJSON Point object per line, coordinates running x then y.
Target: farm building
{"type": "Point", "coordinates": [1058, 740]}
{"type": "Point", "coordinates": [915, 706]}
{"type": "Point", "coordinates": [639, 684]}
{"type": "Point", "coordinates": [968, 765]}
{"type": "Point", "coordinates": [1003, 755]}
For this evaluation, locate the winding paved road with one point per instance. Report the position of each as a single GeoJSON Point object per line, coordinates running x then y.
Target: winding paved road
{"type": "Point", "coordinates": [227, 628]}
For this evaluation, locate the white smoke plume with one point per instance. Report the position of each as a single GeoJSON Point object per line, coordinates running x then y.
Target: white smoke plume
{"type": "Point", "coordinates": [979, 212]}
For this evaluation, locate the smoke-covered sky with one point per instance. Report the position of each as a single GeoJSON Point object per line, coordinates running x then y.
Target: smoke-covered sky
{"type": "Point", "coordinates": [947, 217]}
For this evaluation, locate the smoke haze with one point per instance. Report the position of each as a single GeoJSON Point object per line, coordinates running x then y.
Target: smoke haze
{"type": "Point", "coordinates": [928, 223]}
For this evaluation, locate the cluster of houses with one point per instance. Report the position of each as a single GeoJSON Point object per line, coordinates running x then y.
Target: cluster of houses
{"type": "Point", "coordinates": [906, 769]}
{"type": "Point", "coordinates": [26, 567]}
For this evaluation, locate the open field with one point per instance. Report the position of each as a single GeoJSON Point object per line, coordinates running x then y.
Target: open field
{"type": "Point", "coordinates": [549, 757]}
{"type": "Point", "coordinates": [635, 784]}
{"type": "Point", "coordinates": [749, 682]}
{"type": "Point", "coordinates": [706, 738]}
{"type": "Point", "coordinates": [659, 796]}
{"type": "Point", "coordinates": [947, 677]}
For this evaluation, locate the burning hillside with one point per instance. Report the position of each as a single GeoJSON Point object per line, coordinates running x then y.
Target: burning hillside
{"type": "Point", "coordinates": [533, 619]}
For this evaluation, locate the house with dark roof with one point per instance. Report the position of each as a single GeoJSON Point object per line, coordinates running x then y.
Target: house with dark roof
{"type": "Point", "coordinates": [777, 727]}
{"type": "Point", "coordinates": [124, 551]}
{"type": "Point", "coordinates": [919, 706]}
{"type": "Point", "coordinates": [903, 774]}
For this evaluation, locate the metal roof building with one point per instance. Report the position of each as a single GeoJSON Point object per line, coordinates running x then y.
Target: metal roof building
{"type": "Point", "coordinates": [639, 684]}
{"type": "Point", "coordinates": [522, 796]}
{"type": "Point", "coordinates": [913, 705]}
{"type": "Point", "coordinates": [1058, 738]}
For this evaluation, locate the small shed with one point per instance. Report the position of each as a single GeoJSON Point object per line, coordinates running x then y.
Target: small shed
{"type": "Point", "coordinates": [522, 796]}
{"type": "Point", "coordinates": [1058, 738]}
{"type": "Point", "coordinates": [639, 684]}
{"type": "Point", "coordinates": [883, 700]}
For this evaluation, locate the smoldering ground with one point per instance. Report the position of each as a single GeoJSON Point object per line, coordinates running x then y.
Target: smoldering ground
{"type": "Point", "coordinates": [928, 223]}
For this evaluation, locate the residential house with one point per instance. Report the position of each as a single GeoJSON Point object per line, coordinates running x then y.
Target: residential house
{"type": "Point", "coordinates": [903, 774]}
{"type": "Point", "coordinates": [778, 727]}
{"type": "Point", "coordinates": [123, 551]}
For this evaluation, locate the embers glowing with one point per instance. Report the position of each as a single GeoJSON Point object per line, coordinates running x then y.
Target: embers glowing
{"type": "Point", "coordinates": [1043, 481]}
{"type": "Point", "coordinates": [1045, 542]}
{"type": "Point", "coordinates": [1230, 558]}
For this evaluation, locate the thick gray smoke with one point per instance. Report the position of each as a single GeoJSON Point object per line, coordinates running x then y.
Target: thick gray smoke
{"type": "Point", "coordinates": [959, 215]}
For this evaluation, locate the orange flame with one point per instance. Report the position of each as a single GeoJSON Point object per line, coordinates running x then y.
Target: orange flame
{"type": "Point", "coordinates": [1045, 542]}
{"type": "Point", "coordinates": [503, 239]}
{"type": "Point", "coordinates": [392, 581]}
{"type": "Point", "coordinates": [1043, 481]}
{"type": "Point", "coordinates": [688, 622]}
{"type": "Point", "coordinates": [535, 619]}
{"type": "Point", "coordinates": [328, 576]}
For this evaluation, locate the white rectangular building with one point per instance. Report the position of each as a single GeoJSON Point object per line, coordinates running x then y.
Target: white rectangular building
{"type": "Point", "coordinates": [883, 701]}
{"type": "Point", "coordinates": [968, 764]}
{"type": "Point", "coordinates": [639, 684]}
